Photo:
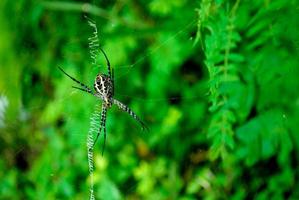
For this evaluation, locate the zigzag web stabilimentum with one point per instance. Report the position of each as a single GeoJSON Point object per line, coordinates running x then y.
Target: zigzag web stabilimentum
{"type": "Point", "coordinates": [96, 116]}
{"type": "Point", "coordinates": [93, 129]}
{"type": "Point", "coordinates": [93, 42]}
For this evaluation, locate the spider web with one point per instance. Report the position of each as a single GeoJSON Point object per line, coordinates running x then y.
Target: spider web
{"type": "Point", "coordinates": [94, 44]}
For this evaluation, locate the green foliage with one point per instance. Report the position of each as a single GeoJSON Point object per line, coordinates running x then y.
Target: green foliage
{"type": "Point", "coordinates": [216, 82]}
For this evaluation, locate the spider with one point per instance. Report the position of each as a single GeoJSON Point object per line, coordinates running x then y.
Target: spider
{"type": "Point", "coordinates": [104, 89]}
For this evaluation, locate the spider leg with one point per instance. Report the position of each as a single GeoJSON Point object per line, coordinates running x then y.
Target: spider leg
{"type": "Point", "coordinates": [112, 78]}
{"type": "Point", "coordinates": [83, 89]}
{"type": "Point", "coordinates": [102, 126]}
{"type": "Point", "coordinates": [108, 63]}
{"type": "Point", "coordinates": [131, 113]}
{"type": "Point", "coordinates": [83, 85]}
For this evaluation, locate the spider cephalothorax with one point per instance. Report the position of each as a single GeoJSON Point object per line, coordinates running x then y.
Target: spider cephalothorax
{"type": "Point", "coordinates": [104, 89]}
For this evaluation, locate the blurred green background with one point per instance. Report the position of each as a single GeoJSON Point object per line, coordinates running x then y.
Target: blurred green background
{"type": "Point", "coordinates": [216, 82]}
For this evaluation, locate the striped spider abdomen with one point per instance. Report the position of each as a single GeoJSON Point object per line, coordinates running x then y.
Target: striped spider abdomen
{"type": "Point", "coordinates": [103, 85]}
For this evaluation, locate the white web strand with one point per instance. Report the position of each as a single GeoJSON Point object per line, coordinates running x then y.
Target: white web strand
{"type": "Point", "coordinates": [157, 99]}
{"type": "Point", "coordinates": [93, 129]}
{"type": "Point", "coordinates": [156, 48]}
